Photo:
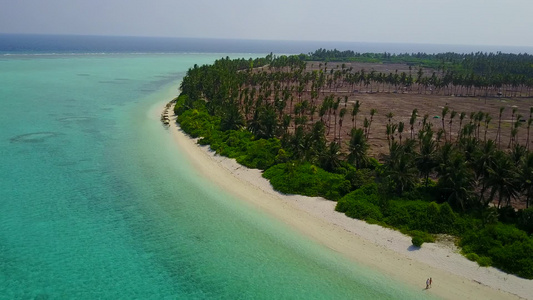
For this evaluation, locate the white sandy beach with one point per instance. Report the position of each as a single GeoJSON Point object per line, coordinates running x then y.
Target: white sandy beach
{"type": "Point", "coordinates": [388, 251]}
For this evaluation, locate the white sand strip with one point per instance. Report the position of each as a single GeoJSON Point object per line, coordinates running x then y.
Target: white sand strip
{"type": "Point", "coordinates": [386, 250]}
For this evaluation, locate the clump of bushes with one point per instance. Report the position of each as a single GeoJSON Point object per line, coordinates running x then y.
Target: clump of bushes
{"type": "Point", "coordinates": [407, 215]}
{"type": "Point", "coordinates": [238, 144]}
{"type": "Point", "coordinates": [501, 245]}
{"type": "Point", "coordinates": [417, 241]}
{"type": "Point", "coordinates": [362, 204]}
{"type": "Point", "coordinates": [307, 179]}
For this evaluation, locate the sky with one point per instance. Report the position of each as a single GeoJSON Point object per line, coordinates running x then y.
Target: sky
{"type": "Point", "coordinates": [460, 22]}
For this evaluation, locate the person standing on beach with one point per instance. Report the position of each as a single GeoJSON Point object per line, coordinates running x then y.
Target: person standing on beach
{"type": "Point", "coordinates": [430, 281]}
{"type": "Point", "coordinates": [427, 283]}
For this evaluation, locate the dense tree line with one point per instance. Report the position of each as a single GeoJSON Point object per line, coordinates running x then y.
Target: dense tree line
{"type": "Point", "coordinates": [273, 114]}
{"type": "Point", "coordinates": [481, 74]}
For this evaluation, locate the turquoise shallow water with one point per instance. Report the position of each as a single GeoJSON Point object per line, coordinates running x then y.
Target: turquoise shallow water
{"type": "Point", "coordinates": [96, 201]}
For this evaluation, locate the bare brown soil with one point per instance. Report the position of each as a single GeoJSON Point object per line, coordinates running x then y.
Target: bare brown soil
{"type": "Point", "coordinates": [402, 104]}
{"type": "Point", "coordinates": [402, 101]}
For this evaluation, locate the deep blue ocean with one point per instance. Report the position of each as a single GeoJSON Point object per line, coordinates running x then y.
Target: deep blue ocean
{"type": "Point", "coordinates": [97, 201]}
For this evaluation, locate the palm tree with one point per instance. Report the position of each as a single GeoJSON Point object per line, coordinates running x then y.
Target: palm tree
{"type": "Point", "coordinates": [529, 122]}
{"type": "Point", "coordinates": [456, 179]}
{"type": "Point", "coordinates": [335, 107]}
{"type": "Point", "coordinates": [488, 118]}
{"type": "Point", "coordinates": [445, 110]}
{"type": "Point", "coordinates": [425, 160]}
{"type": "Point", "coordinates": [512, 126]}
{"type": "Point", "coordinates": [482, 159]}
{"type": "Point", "coordinates": [390, 115]}
{"type": "Point", "coordinates": [331, 158]}
{"type": "Point", "coordinates": [502, 178]}
{"type": "Point", "coordinates": [461, 118]}
{"type": "Point", "coordinates": [526, 178]}
{"type": "Point", "coordinates": [373, 111]}
{"type": "Point", "coordinates": [401, 126]}
{"type": "Point", "coordinates": [478, 117]}
{"type": "Point", "coordinates": [232, 118]}
{"type": "Point", "coordinates": [412, 121]}
{"type": "Point", "coordinates": [388, 132]}
{"type": "Point", "coordinates": [355, 111]}
{"type": "Point", "coordinates": [514, 130]}
{"type": "Point", "coordinates": [366, 125]}
{"type": "Point", "coordinates": [358, 148]}
{"type": "Point", "coordinates": [400, 169]}
{"type": "Point", "coordinates": [452, 115]}
{"type": "Point", "coordinates": [499, 133]}
{"type": "Point", "coordinates": [341, 117]}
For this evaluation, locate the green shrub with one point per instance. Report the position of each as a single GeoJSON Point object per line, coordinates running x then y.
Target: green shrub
{"type": "Point", "coordinates": [447, 219]}
{"type": "Point", "coordinates": [426, 237]}
{"type": "Point", "coordinates": [364, 210]}
{"type": "Point", "coordinates": [360, 177]}
{"type": "Point", "coordinates": [180, 107]}
{"type": "Point", "coordinates": [417, 241]}
{"type": "Point", "coordinates": [509, 248]}
{"type": "Point", "coordinates": [507, 214]}
{"type": "Point", "coordinates": [484, 261]}
{"type": "Point", "coordinates": [367, 194]}
{"type": "Point", "coordinates": [306, 179]}
{"type": "Point", "coordinates": [411, 215]}
{"type": "Point", "coordinates": [472, 256]}
{"type": "Point", "coordinates": [525, 220]}
{"type": "Point", "coordinates": [260, 154]}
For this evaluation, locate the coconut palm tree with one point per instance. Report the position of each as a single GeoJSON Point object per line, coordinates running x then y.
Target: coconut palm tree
{"type": "Point", "coordinates": [358, 148]}
{"type": "Point", "coordinates": [514, 130]}
{"type": "Point", "coordinates": [499, 132]}
{"type": "Point", "coordinates": [400, 169]}
{"type": "Point", "coordinates": [455, 178]}
{"type": "Point", "coordinates": [502, 179]}
{"type": "Point", "coordinates": [488, 118]}
{"type": "Point", "coordinates": [425, 160]}
{"type": "Point", "coordinates": [330, 159]}
{"type": "Point", "coordinates": [461, 118]}
{"type": "Point", "coordinates": [373, 112]}
{"type": "Point", "coordinates": [390, 115]}
{"type": "Point", "coordinates": [412, 121]}
{"type": "Point", "coordinates": [526, 178]}
{"type": "Point", "coordinates": [341, 118]}
{"type": "Point", "coordinates": [512, 126]}
{"type": "Point", "coordinates": [355, 111]}
{"type": "Point", "coordinates": [401, 126]}
{"type": "Point", "coordinates": [445, 111]}
{"type": "Point", "coordinates": [452, 116]}
{"type": "Point", "coordinates": [482, 160]}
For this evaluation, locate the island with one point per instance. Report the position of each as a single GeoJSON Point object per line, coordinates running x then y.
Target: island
{"type": "Point", "coordinates": [433, 145]}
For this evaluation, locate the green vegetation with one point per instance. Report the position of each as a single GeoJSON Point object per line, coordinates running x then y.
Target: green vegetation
{"type": "Point", "coordinates": [273, 114]}
{"type": "Point", "coordinates": [479, 73]}
{"type": "Point", "coordinates": [307, 179]}
{"type": "Point", "coordinates": [417, 241]}
{"type": "Point", "coordinates": [486, 241]}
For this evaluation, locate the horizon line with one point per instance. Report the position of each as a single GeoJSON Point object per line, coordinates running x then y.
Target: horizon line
{"type": "Point", "coordinates": [261, 40]}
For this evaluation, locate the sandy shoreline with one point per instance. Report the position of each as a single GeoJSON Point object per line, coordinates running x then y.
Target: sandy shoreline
{"type": "Point", "coordinates": [388, 251]}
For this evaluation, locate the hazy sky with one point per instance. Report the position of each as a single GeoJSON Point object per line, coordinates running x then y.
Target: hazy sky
{"type": "Point", "coordinates": [469, 22]}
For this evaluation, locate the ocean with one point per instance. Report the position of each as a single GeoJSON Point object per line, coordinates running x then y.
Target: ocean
{"type": "Point", "coordinates": [98, 202]}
